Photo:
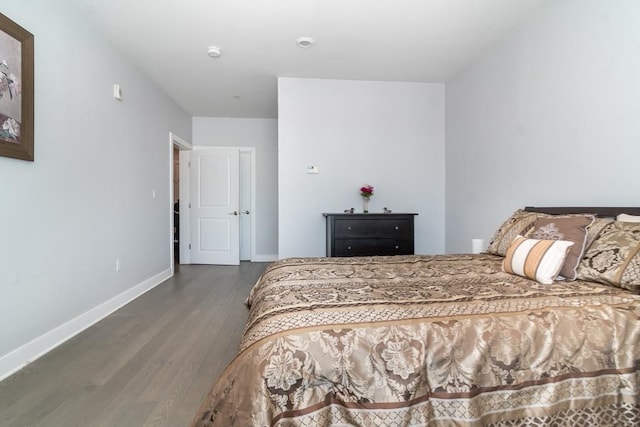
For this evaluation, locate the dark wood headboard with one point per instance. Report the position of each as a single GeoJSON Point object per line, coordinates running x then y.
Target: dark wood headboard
{"type": "Point", "coordinates": [605, 211]}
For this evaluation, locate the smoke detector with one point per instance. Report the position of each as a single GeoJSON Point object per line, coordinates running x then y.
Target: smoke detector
{"type": "Point", "coordinates": [214, 52]}
{"type": "Point", "coordinates": [305, 42]}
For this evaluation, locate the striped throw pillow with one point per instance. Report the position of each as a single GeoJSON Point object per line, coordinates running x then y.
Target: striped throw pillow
{"type": "Point", "coordinates": [540, 260]}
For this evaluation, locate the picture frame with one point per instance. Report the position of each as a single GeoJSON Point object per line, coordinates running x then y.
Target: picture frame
{"type": "Point", "coordinates": [16, 91]}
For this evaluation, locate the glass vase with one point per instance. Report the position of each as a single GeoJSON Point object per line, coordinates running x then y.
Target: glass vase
{"type": "Point", "coordinates": [365, 204]}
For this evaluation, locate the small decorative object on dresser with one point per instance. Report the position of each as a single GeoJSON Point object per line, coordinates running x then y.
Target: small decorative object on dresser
{"type": "Point", "coordinates": [369, 234]}
{"type": "Point", "coordinates": [366, 192]}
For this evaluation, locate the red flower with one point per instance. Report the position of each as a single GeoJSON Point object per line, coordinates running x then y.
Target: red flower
{"type": "Point", "coordinates": [366, 191]}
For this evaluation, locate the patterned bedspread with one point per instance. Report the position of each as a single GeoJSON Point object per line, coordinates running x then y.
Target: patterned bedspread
{"type": "Point", "coordinates": [445, 340]}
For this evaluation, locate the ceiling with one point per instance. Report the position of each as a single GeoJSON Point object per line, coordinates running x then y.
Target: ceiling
{"type": "Point", "coordinates": [385, 40]}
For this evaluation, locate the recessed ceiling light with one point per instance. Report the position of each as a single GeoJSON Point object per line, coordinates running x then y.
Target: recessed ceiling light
{"type": "Point", "coordinates": [305, 42]}
{"type": "Point", "coordinates": [214, 51]}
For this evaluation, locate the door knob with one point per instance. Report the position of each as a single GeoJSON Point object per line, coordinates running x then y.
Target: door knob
{"type": "Point", "coordinates": [246, 212]}
{"type": "Point", "coordinates": [233, 213]}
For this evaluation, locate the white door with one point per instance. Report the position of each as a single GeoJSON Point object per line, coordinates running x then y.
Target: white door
{"type": "Point", "coordinates": [215, 206]}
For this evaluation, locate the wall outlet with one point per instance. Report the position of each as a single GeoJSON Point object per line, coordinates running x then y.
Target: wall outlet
{"type": "Point", "coordinates": [118, 264]}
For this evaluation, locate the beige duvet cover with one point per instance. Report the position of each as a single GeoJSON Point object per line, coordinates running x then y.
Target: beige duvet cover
{"type": "Point", "coordinates": [429, 341]}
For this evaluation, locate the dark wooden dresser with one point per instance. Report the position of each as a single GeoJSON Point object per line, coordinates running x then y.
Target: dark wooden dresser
{"type": "Point", "coordinates": [369, 234]}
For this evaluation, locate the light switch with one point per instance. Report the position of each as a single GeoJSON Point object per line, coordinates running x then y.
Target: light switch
{"type": "Point", "coordinates": [117, 92]}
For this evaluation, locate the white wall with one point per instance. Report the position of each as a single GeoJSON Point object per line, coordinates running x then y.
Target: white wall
{"type": "Point", "coordinates": [262, 134]}
{"type": "Point", "coordinates": [549, 117]}
{"type": "Point", "coordinates": [86, 200]}
{"type": "Point", "coordinates": [389, 135]}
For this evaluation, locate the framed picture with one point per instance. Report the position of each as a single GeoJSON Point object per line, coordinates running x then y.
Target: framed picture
{"type": "Point", "coordinates": [16, 90]}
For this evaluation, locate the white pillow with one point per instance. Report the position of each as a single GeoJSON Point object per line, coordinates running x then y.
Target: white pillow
{"type": "Point", "coordinates": [628, 218]}
{"type": "Point", "coordinates": [535, 259]}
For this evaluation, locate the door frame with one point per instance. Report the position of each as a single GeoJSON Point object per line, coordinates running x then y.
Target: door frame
{"type": "Point", "coordinates": [252, 198]}
{"type": "Point", "coordinates": [252, 202]}
{"type": "Point", "coordinates": [185, 195]}
{"type": "Point", "coordinates": [182, 145]}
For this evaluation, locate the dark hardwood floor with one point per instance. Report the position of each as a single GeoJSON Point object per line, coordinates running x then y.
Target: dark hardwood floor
{"type": "Point", "coordinates": [148, 364]}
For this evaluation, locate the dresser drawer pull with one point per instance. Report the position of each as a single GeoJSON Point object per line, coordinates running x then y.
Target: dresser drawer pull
{"type": "Point", "coordinates": [349, 247]}
{"type": "Point", "coordinates": [348, 228]}
{"type": "Point", "coordinates": [397, 247]}
{"type": "Point", "coordinates": [397, 228]}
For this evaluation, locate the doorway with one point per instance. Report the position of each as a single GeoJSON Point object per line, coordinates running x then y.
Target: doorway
{"type": "Point", "coordinates": [243, 211]}
{"type": "Point", "coordinates": [246, 205]}
{"type": "Point", "coordinates": [177, 146]}
{"type": "Point", "coordinates": [176, 205]}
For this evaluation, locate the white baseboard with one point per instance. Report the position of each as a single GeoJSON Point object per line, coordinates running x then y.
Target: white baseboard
{"type": "Point", "coordinates": [22, 356]}
{"type": "Point", "coordinates": [265, 258]}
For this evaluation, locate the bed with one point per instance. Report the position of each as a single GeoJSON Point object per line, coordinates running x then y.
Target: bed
{"type": "Point", "coordinates": [446, 340]}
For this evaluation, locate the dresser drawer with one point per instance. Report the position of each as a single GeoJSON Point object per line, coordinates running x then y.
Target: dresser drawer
{"type": "Point", "coordinates": [368, 247]}
{"type": "Point", "coordinates": [365, 228]}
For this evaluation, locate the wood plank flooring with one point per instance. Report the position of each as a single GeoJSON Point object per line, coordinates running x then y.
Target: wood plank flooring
{"type": "Point", "coordinates": [148, 364]}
